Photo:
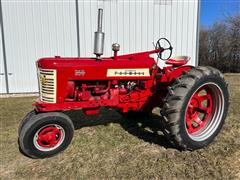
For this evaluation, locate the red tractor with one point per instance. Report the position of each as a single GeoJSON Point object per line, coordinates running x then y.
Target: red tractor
{"type": "Point", "coordinates": [193, 100]}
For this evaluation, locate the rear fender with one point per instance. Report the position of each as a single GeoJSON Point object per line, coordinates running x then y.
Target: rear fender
{"type": "Point", "coordinates": [170, 73]}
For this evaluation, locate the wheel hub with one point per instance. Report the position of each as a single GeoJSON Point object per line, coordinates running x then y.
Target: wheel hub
{"type": "Point", "coordinates": [49, 137]}
{"type": "Point", "coordinates": [199, 110]}
{"type": "Point", "coordinates": [192, 107]}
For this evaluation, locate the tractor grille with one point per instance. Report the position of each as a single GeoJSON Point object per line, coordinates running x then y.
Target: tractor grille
{"type": "Point", "coordinates": [47, 84]}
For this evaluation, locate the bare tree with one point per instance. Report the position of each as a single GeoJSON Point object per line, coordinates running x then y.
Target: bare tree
{"type": "Point", "coordinates": [220, 45]}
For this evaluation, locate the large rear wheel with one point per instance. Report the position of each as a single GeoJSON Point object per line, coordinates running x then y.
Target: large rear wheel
{"type": "Point", "coordinates": [195, 108]}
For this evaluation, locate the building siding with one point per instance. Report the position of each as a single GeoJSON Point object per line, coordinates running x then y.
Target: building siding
{"type": "Point", "coordinates": [2, 71]}
{"type": "Point", "coordinates": [35, 29]}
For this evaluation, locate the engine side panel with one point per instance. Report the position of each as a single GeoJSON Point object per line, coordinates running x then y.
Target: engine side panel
{"type": "Point", "coordinates": [130, 67]}
{"type": "Point", "coordinates": [105, 69]}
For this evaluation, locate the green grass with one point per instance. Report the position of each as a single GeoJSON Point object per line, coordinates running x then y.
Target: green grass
{"type": "Point", "coordinates": [109, 146]}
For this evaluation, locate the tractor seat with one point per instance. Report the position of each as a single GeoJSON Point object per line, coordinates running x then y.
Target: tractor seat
{"type": "Point", "coordinates": [178, 60]}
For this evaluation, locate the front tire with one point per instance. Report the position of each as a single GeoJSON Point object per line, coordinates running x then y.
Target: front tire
{"type": "Point", "coordinates": [45, 134]}
{"type": "Point", "coordinates": [195, 108]}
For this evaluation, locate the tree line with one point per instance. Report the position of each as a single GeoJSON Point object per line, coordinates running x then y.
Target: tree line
{"type": "Point", "coordinates": [220, 45]}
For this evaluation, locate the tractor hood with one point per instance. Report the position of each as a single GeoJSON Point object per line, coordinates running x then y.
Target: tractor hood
{"type": "Point", "coordinates": [133, 66]}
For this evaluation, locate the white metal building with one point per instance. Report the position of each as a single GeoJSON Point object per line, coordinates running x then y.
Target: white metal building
{"type": "Point", "coordinates": [32, 29]}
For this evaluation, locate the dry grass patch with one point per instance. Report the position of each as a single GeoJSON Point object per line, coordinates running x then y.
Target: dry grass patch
{"type": "Point", "coordinates": [110, 146]}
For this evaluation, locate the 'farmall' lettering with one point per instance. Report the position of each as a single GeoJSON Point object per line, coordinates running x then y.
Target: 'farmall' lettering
{"type": "Point", "coordinates": [128, 72]}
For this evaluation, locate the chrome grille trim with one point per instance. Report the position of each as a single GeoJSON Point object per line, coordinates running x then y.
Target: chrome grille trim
{"type": "Point", "coordinates": [47, 84]}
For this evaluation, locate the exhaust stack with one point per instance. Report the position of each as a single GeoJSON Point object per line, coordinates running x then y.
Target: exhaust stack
{"type": "Point", "coordinates": [99, 36]}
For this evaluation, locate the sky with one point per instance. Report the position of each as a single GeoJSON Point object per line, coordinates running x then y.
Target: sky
{"type": "Point", "coordinates": [214, 10]}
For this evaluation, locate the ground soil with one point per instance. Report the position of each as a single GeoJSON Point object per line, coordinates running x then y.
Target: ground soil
{"type": "Point", "coordinates": [110, 146]}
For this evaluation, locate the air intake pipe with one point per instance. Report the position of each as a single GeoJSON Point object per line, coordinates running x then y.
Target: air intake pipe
{"type": "Point", "coordinates": [99, 37]}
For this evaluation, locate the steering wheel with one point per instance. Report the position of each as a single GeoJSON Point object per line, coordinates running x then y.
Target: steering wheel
{"type": "Point", "coordinates": [159, 45]}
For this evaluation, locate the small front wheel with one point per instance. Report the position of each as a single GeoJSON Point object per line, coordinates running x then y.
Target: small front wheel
{"type": "Point", "coordinates": [45, 134]}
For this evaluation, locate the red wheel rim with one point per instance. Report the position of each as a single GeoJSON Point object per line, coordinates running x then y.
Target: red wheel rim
{"type": "Point", "coordinates": [49, 137]}
{"type": "Point", "coordinates": [199, 110]}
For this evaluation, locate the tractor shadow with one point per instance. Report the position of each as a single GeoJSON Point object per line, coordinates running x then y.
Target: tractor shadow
{"type": "Point", "coordinates": [145, 127]}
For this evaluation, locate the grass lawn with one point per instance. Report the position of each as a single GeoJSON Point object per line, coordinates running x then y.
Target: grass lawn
{"type": "Point", "coordinates": [110, 146]}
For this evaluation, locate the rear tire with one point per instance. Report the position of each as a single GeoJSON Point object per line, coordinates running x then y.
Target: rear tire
{"type": "Point", "coordinates": [45, 134]}
{"type": "Point", "coordinates": [195, 108]}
